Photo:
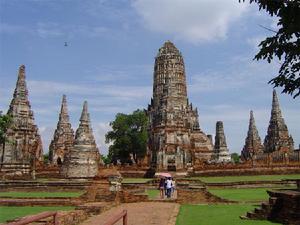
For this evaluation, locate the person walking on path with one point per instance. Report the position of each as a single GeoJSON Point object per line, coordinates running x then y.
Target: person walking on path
{"type": "Point", "coordinates": [161, 187]}
{"type": "Point", "coordinates": [173, 187]}
{"type": "Point", "coordinates": [169, 187]}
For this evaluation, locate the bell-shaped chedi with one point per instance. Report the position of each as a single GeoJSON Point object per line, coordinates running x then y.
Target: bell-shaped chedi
{"type": "Point", "coordinates": [83, 158]}
{"type": "Point", "coordinates": [221, 150]}
{"type": "Point", "coordinates": [175, 138]}
{"type": "Point", "coordinates": [253, 144]}
{"type": "Point", "coordinates": [278, 138]}
{"type": "Point", "coordinates": [24, 143]}
{"type": "Point", "coordinates": [63, 136]}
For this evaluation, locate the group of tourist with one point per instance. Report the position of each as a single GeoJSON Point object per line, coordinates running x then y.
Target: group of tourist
{"type": "Point", "coordinates": [166, 187]}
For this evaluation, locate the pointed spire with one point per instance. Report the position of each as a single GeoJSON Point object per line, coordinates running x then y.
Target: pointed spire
{"type": "Point", "coordinates": [84, 133]}
{"type": "Point", "coordinates": [84, 115]}
{"type": "Point", "coordinates": [277, 137]}
{"type": "Point", "coordinates": [253, 144]}
{"type": "Point", "coordinates": [83, 159]}
{"type": "Point", "coordinates": [23, 125]}
{"type": "Point", "coordinates": [21, 92]}
{"type": "Point", "coordinates": [64, 116]}
{"type": "Point", "coordinates": [63, 137]}
{"type": "Point", "coordinates": [276, 112]}
{"type": "Point", "coordinates": [252, 126]}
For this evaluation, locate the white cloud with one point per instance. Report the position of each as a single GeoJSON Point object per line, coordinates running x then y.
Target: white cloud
{"type": "Point", "coordinates": [46, 133]}
{"type": "Point", "coordinates": [239, 72]}
{"type": "Point", "coordinates": [191, 20]}
{"type": "Point", "coordinates": [100, 129]}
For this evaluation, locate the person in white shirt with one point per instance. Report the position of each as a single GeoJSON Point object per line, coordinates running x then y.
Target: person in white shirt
{"type": "Point", "coordinates": [169, 187]}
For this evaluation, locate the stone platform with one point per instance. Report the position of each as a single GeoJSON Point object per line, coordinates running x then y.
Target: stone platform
{"type": "Point", "coordinates": [283, 207]}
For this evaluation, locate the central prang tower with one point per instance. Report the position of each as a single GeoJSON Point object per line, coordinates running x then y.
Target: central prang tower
{"type": "Point", "coordinates": [175, 139]}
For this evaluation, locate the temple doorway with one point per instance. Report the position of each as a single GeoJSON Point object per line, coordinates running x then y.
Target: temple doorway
{"type": "Point", "coordinates": [59, 162]}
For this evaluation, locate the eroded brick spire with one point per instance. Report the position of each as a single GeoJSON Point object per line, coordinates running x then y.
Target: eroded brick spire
{"type": "Point", "coordinates": [63, 136]}
{"type": "Point", "coordinates": [24, 143]}
{"type": "Point", "coordinates": [174, 130]}
{"type": "Point", "coordinates": [220, 148]}
{"type": "Point", "coordinates": [253, 144]}
{"type": "Point", "coordinates": [84, 158]}
{"type": "Point", "coordinates": [277, 138]}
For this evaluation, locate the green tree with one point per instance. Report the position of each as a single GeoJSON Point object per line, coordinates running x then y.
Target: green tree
{"type": "Point", "coordinates": [235, 157]}
{"type": "Point", "coordinates": [128, 137]}
{"type": "Point", "coordinates": [5, 121]}
{"type": "Point", "coordinates": [46, 158]}
{"type": "Point", "coordinates": [106, 159]}
{"type": "Point", "coordinates": [284, 45]}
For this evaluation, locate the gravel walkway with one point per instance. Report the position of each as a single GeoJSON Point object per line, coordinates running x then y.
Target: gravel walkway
{"type": "Point", "coordinates": [143, 213]}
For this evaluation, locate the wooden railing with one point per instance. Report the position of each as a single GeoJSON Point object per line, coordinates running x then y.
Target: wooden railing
{"type": "Point", "coordinates": [36, 218]}
{"type": "Point", "coordinates": [116, 218]}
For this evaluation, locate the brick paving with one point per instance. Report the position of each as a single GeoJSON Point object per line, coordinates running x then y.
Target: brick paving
{"type": "Point", "coordinates": [146, 213]}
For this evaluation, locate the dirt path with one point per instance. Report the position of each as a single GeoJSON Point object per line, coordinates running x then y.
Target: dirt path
{"type": "Point", "coordinates": [146, 213]}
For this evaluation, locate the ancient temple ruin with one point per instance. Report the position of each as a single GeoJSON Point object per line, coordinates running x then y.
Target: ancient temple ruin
{"type": "Point", "coordinates": [253, 145]}
{"type": "Point", "coordinates": [278, 138]}
{"type": "Point", "coordinates": [175, 138]}
{"type": "Point", "coordinates": [220, 148]}
{"type": "Point", "coordinates": [24, 143]}
{"type": "Point", "coordinates": [82, 161]}
{"type": "Point", "coordinates": [63, 136]}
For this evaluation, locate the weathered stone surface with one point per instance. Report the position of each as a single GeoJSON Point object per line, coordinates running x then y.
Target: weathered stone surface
{"type": "Point", "coordinates": [175, 139]}
{"type": "Point", "coordinates": [278, 138]}
{"type": "Point", "coordinates": [63, 136]}
{"type": "Point", "coordinates": [24, 142]}
{"type": "Point", "coordinates": [253, 144]}
{"type": "Point", "coordinates": [83, 158]}
{"type": "Point", "coordinates": [220, 149]}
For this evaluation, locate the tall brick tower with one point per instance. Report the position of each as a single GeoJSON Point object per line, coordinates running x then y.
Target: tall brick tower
{"type": "Point", "coordinates": [83, 158]}
{"type": "Point", "coordinates": [175, 139]}
{"type": "Point", "coordinates": [278, 138]}
{"type": "Point", "coordinates": [253, 144]}
{"type": "Point", "coordinates": [63, 136]}
{"type": "Point", "coordinates": [24, 143]}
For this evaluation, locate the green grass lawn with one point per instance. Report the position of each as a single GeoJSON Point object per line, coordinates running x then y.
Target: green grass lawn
{"type": "Point", "coordinates": [152, 193]}
{"type": "Point", "coordinates": [135, 180]}
{"type": "Point", "coordinates": [12, 212]}
{"type": "Point", "coordinates": [248, 178]}
{"type": "Point", "coordinates": [242, 194]}
{"type": "Point", "coordinates": [39, 194]}
{"type": "Point", "coordinates": [216, 215]}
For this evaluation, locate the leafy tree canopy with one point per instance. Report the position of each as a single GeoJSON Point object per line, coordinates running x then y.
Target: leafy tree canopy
{"type": "Point", "coordinates": [284, 45]}
{"type": "Point", "coordinates": [128, 137]}
{"type": "Point", "coordinates": [5, 121]}
{"type": "Point", "coordinates": [235, 157]}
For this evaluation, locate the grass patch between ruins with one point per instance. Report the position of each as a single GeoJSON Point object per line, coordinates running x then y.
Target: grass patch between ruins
{"type": "Point", "coordinates": [13, 212]}
{"type": "Point", "coordinates": [216, 215]}
{"type": "Point", "coordinates": [20, 194]}
{"type": "Point", "coordinates": [136, 180]}
{"type": "Point", "coordinates": [152, 193]}
{"type": "Point", "coordinates": [248, 178]}
{"type": "Point", "coordinates": [242, 194]}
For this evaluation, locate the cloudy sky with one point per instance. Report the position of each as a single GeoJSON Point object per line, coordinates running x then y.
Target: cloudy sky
{"type": "Point", "coordinates": [110, 55]}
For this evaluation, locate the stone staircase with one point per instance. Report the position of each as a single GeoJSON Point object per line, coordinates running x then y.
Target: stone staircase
{"type": "Point", "coordinates": [283, 207]}
{"type": "Point", "coordinates": [262, 212]}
